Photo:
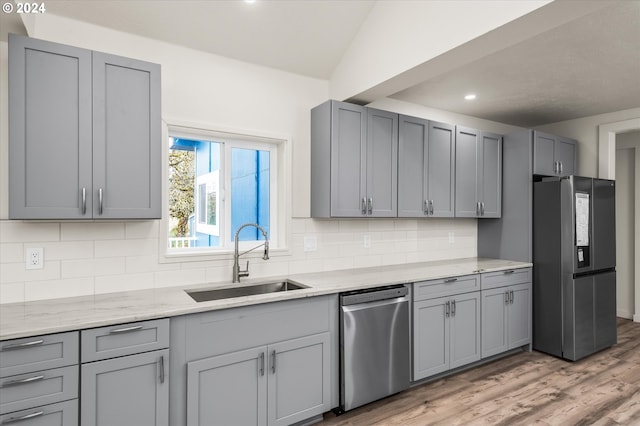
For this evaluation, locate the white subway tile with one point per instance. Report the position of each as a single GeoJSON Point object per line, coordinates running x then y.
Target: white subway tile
{"type": "Point", "coordinates": [92, 231]}
{"type": "Point", "coordinates": [321, 225]}
{"type": "Point", "coordinates": [405, 224]}
{"type": "Point", "coordinates": [335, 263]}
{"type": "Point", "coordinates": [367, 261]}
{"type": "Point", "coordinates": [113, 248]}
{"type": "Point", "coordinates": [93, 267]}
{"type": "Point", "coordinates": [381, 225]}
{"type": "Point", "coordinates": [17, 272]}
{"type": "Point", "coordinates": [55, 289]}
{"type": "Point", "coordinates": [180, 277]}
{"type": "Point", "coordinates": [23, 232]}
{"type": "Point", "coordinates": [137, 264]}
{"type": "Point", "coordinates": [299, 226]}
{"type": "Point", "coordinates": [11, 253]}
{"type": "Point", "coordinates": [66, 250]}
{"type": "Point", "coordinates": [129, 282]}
{"type": "Point", "coordinates": [354, 225]}
{"type": "Point", "coordinates": [11, 293]}
{"type": "Point", "coordinates": [303, 266]}
{"type": "Point", "coordinates": [143, 229]}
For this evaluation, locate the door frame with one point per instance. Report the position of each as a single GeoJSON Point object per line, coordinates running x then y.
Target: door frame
{"type": "Point", "coordinates": [607, 170]}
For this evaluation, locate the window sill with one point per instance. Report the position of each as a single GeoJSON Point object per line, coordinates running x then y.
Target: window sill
{"type": "Point", "coordinates": [177, 256]}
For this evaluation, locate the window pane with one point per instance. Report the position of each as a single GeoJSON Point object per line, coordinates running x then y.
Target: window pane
{"type": "Point", "coordinates": [250, 179]}
{"type": "Point", "coordinates": [194, 179]}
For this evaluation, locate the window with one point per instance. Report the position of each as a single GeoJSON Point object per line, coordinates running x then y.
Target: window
{"type": "Point", "coordinates": [216, 183]}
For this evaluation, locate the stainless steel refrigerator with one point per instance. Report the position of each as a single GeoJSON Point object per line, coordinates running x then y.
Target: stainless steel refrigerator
{"type": "Point", "coordinates": [574, 259]}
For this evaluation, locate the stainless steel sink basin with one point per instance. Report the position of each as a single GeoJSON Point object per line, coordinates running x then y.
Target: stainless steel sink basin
{"type": "Point", "coordinates": [229, 292]}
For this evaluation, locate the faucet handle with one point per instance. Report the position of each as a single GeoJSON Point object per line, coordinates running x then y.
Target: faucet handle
{"type": "Point", "coordinates": [244, 273]}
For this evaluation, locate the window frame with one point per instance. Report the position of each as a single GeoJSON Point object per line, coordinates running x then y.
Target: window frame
{"type": "Point", "coordinates": [279, 190]}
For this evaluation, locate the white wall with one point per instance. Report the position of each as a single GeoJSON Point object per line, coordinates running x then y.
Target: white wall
{"type": "Point", "coordinates": [90, 258]}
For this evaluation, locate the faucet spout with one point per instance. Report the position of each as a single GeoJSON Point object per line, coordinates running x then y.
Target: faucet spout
{"type": "Point", "coordinates": [237, 273]}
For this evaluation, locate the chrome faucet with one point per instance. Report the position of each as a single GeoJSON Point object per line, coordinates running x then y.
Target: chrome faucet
{"type": "Point", "coordinates": [237, 272]}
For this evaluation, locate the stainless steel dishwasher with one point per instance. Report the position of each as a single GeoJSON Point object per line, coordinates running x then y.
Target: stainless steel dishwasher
{"type": "Point", "coordinates": [374, 345]}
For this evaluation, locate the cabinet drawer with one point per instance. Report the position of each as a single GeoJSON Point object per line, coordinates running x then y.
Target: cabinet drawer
{"type": "Point", "coordinates": [505, 278]}
{"type": "Point", "coordinates": [38, 353]}
{"type": "Point", "coordinates": [445, 287]}
{"type": "Point", "coordinates": [60, 414]}
{"type": "Point", "coordinates": [25, 391]}
{"type": "Point", "coordinates": [124, 339]}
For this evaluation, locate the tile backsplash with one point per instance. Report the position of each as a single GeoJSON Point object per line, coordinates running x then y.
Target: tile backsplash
{"type": "Point", "coordinates": [93, 258]}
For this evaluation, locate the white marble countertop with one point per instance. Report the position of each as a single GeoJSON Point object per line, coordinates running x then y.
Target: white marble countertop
{"type": "Point", "coordinates": [58, 315]}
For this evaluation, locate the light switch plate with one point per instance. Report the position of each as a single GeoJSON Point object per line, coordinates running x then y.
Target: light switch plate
{"type": "Point", "coordinates": [310, 243]}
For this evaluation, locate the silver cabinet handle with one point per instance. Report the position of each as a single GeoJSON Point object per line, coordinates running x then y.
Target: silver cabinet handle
{"type": "Point", "coordinates": [425, 209]}
{"type": "Point", "coordinates": [561, 168]}
{"type": "Point", "coordinates": [431, 207]}
{"type": "Point", "coordinates": [506, 297]}
{"type": "Point", "coordinates": [447, 309]}
{"type": "Point", "coordinates": [22, 381]}
{"type": "Point", "coordinates": [126, 329]}
{"type": "Point", "coordinates": [511, 297]}
{"type": "Point", "coordinates": [261, 369]}
{"type": "Point", "coordinates": [510, 271]}
{"type": "Point", "coordinates": [84, 200]}
{"type": "Point", "coordinates": [364, 205]}
{"type": "Point", "coordinates": [556, 167]}
{"type": "Point", "coordinates": [25, 417]}
{"type": "Point", "coordinates": [100, 198]}
{"type": "Point", "coordinates": [482, 208]}
{"type": "Point", "coordinates": [273, 361]}
{"type": "Point", "coordinates": [370, 204]}
{"type": "Point", "coordinates": [450, 280]}
{"type": "Point", "coordinates": [161, 367]}
{"type": "Point", "coordinates": [478, 208]}
{"type": "Point", "coordinates": [15, 346]}
{"type": "Point", "coordinates": [453, 308]}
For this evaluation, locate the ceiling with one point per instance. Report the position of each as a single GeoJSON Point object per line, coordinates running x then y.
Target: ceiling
{"type": "Point", "coordinates": [588, 66]}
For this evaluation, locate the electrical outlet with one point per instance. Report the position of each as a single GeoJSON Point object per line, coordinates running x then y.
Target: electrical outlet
{"type": "Point", "coordinates": [35, 258]}
{"type": "Point", "coordinates": [310, 243]}
{"type": "Point", "coordinates": [366, 241]}
{"type": "Point", "coordinates": [452, 237]}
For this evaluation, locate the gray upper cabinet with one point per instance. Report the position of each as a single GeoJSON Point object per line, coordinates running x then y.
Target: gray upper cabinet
{"type": "Point", "coordinates": [553, 155]}
{"type": "Point", "coordinates": [354, 155]}
{"type": "Point", "coordinates": [478, 166]}
{"type": "Point", "coordinates": [85, 133]}
{"type": "Point", "coordinates": [426, 172]}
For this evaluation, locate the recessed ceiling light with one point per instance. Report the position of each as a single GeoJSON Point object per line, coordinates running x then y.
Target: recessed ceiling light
{"type": "Point", "coordinates": [469, 97]}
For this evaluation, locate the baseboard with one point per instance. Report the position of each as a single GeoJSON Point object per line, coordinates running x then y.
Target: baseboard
{"type": "Point", "coordinates": [636, 318]}
{"type": "Point", "coordinates": [623, 313]}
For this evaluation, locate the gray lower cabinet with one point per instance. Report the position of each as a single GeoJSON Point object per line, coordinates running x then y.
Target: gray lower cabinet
{"type": "Point", "coordinates": [84, 133]}
{"type": "Point", "coordinates": [128, 390]}
{"type": "Point", "coordinates": [266, 364]}
{"type": "Point", "coordinates": [426, 172]}
{"type": "Point", "coordinates": [506, 318]}
{"type": "Point", "coordinates": [39, 380]}
{"type": "Point", "coordinates": [354, 160]}
{"type": "Point", "coordinates": [478, 184]}
{"type": "Point", "coordinates": [446, 333]}
{"type": "Point", "coordinates": [278, 384]}
{"type": "Point", "coordinates": [124, 375]}
{"type": "Point", "coordinates": [59, 414]}
{"type": "Point", "coordinates": [553, 155]}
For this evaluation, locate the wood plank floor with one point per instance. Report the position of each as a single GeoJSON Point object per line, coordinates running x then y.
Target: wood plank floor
{"type": "Point", "coordinates": [523, 389]}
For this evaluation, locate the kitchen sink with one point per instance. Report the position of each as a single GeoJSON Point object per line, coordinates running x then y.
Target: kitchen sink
{"type": "Point", "coordinates": [250, 290]}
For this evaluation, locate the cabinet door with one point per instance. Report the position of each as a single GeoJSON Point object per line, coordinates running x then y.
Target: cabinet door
{"type": "Point", "coordinates": [430, 337]}
{"type": "Point", "coordinates": [228, 389]}
{"type": "Point", "coordinates": [605, 310]}
{"type": "Point", "coordinates": [465, 329]}
{"type": "Point", "coordinates": [382, 163]}
{"type": "Point", "coordinates": [441, 169]}
{"type": "Point", "coordinates": [299, 379]}
{"type": "Point", "coordinates": [490, 183]}
{"type": "Point", "coordinates": [565, 153]}
{"type": "Point", "coordinates": [348, 159]}
{"type": "Point", "coordinates": [50, 138]}
{"type": "Point", "coordinates": [126, 138]}
{"type": "Point", "coordinates": [544, 154]}
{"type": "Point", "coordinates": [519, 315]}
{"type": "Point", "coordinates": [466, 172]}
{"type": "Point", "coordinates": [131, 390]}
{"type": "Point", "coordinates": [412, 166]}
{"type": "Point", "coordinates": [495, 303]}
